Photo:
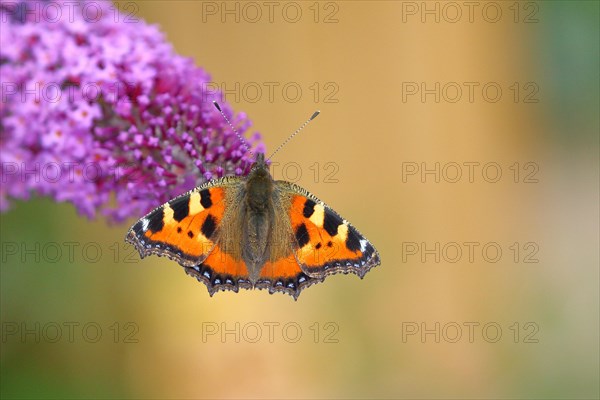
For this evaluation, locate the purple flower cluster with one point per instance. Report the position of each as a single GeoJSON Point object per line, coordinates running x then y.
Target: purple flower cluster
{"type": "Point", "coordinates": [101, 112]}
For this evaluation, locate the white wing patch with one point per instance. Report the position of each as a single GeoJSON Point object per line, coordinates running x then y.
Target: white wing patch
{"type": "Point", "coordinates": [363, 244]}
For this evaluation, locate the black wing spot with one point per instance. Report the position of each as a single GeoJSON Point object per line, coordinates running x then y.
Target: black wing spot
{"type": "Point", "coordinates": [302, 235]}
{"type": "Point", "coordinates": [156, 221]}
{"type": "Point", "coordinates": [208, 226]}
{"type": "Point", "coordinates": [178, 229]}
{"type": "Point", "coordinates": [190, 234]}
{"type": "Point", "coordinates": [329, 244]}
{"type": "Point", "coordinates": [309, 208]}
{"type": "Point", "coordinates": [331, 223]}
{"type": "Point", "coordinates": [138, 227]}
{"type": "Point", "coordinates": [318, 246]}
{"type": "Point", "coordinates": [353, 240]}
{"type": "Point", "coordinates": [205, 199]}
{"type": "Point", "coordinates": [180, 207]}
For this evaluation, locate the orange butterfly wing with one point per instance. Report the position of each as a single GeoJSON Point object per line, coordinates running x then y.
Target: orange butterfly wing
{"type": "Point", "coordinates": [325, 243]}
{"type": "Point", "coordinates": [187, 230]}
{"type": "Point", "coordinates": [321, 243]}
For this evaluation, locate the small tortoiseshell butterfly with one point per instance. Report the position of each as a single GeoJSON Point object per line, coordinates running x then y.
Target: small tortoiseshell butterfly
{"type": "Point", "coordinates": [254, 232]}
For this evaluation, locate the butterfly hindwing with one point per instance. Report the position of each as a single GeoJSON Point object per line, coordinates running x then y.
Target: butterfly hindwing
{"type": "Point", "coordinates": [221, 271]}
{"type": "Point", "coordinates": [323, 242]}
{"type": "Point", "coordinates": [285, 275]}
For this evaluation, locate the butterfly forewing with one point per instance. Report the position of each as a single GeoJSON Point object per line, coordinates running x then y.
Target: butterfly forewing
{"type": "Point", "coordinates": [186, 228]}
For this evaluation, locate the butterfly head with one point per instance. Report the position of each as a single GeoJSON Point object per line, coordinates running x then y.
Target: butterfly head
{"type": "Point", "coordinates": [260, 162]}
{"type": "Point", "coordinates": [259, 170]}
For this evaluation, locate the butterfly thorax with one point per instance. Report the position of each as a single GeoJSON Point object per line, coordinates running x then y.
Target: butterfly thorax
{"type": "Point", "coordinates": [259, 189]}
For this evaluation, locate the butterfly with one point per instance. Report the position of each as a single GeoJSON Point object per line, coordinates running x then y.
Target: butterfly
{"type": "Point", "coordinates": [254, 232]}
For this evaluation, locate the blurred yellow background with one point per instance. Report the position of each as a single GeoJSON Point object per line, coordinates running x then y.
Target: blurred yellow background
{"type": "Point", "coordinates": [528, 321]}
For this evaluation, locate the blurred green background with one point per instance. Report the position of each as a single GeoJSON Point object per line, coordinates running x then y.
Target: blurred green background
{"type": "Point", "coordinates": [161, 333]}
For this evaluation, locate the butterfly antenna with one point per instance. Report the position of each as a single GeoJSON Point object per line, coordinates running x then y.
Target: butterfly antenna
{"type": "Point", "coordinates": [244, 142]}
{"type": "Point", "coordinates": [315, 114]}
